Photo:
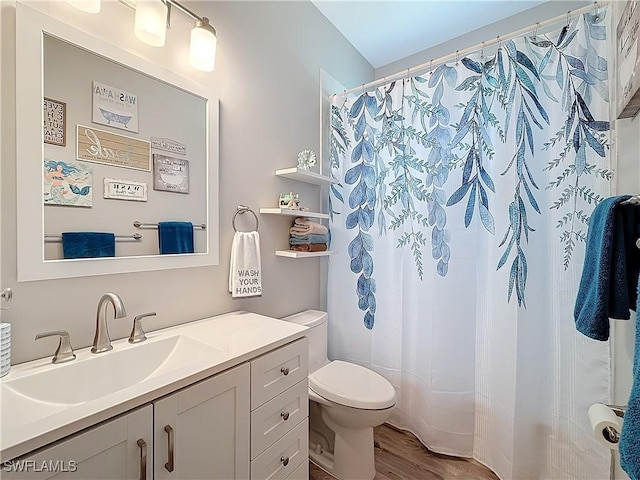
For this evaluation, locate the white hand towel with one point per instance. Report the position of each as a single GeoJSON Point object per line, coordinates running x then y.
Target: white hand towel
{"type": "Point", "coordinates": [245, 278]}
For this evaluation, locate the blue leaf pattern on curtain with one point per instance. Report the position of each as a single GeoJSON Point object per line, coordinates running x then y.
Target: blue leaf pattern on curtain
{"type": "Point", "coordinates": [407, 146]}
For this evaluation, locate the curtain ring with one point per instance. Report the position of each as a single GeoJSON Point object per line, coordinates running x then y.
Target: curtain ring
{"type": "Point", "coordinates": [535, 31]}
{"type": "Point", "coordinates": [568, 13]}
{"type": "Point", "coordinates": [430, 66]}
{"type": "Point", "coordinates": [457, 52]}
{"type": "Point", "coordinates": [499, 42]}
{"type": "Point", "coordinates": [482, 52]}
{"type": "Point", "coordinates": [596, 16]}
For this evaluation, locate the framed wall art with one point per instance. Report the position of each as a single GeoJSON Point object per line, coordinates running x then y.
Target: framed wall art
{"type": "Point", "coordinates": [100, 146]}
{"type": "Point", "coordinates": [67, 183]}
{"type": "Point", "coordinates": [55, 119]}
{"type": "Point", "coordinates": [125, 190]}
{"type": "Point", "coordinates": [628, 60]}
{"type": "Point", "coordinates": [170, 174]}
{"type": "Point", "coordinates": [114, 107]}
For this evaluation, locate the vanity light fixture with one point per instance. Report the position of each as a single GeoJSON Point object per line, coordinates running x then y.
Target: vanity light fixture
{"type": "Point", "coordinates": [202, 51]}
{"type": "Point", "coordinates": [150, 23]}
{"type": "Point", "coordinates": [152, 19]}
{"type": "Point", "coordinates": [88, 6]}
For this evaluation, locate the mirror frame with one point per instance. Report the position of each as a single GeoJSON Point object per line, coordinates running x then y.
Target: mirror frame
{"type": "Point", "coordinates": [31, 26]}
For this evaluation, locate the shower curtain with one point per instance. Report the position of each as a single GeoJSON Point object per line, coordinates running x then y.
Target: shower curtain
{"type": "Point", "coordinates": [460, 220]}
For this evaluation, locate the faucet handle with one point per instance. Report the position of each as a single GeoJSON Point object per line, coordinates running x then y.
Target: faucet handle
{"type": "Point", "coordinates": [64, 352]}
{"type": "Point", "coordinates": [137, 333]}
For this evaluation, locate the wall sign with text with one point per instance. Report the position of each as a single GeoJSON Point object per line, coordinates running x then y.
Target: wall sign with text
{"type": "Point", "coordinates": [170, 174]}
{"type": "Point", "coordinates": [55, 117]}
{"type": "Point", "coordinates": [125, 190]}
{"type": "Point", "coordinates": [114, 107]}
{"type": "Point", "coordinates": [99, 146]}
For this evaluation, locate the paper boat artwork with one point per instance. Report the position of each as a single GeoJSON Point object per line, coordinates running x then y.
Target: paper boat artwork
{"type": "Point", "coordinates": [115, 117]}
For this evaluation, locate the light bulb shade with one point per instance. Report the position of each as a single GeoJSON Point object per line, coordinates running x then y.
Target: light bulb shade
{"type": "Point", "coordinates": [202, 51]}
{"type": "Point", "coordinates": [151, 22]}
{"type": "Point", "coordinates": [89, 6]}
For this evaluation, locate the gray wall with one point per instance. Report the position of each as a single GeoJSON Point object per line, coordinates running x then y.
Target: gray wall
{"type": "Point", "coordinates": [267, 77]}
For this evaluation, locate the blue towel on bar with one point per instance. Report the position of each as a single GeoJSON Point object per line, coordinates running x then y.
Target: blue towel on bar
{"type": "Point", "coordinates": [630, 437]}
{"type": "Point", "coordinates": [88, 244]}
{"type": "Point", "coordinates": [175, 237]}
{"type": "Point", "coordinates": [307, 239]}
{"type": "Point", "coordinates": [612, 263]}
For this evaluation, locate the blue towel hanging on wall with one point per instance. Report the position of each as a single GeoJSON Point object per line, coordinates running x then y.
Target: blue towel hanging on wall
{"type": "Point", "coordinates": [88, 244]}
{"type": "Point", "coordinates": [611, 267]}
{"type": "Point", "coordinates": [175, 237]}
{"type": "Point", "coordinates": [630, 437]}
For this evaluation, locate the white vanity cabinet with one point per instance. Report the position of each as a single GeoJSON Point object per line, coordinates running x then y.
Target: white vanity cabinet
{"type": "Point", "coordinates": [202, 432]}
{"type": "Point", "coordinates": [279, 416]}
{"type": "Point", "coordinates": [117, 449]}
{"type": "Point", "coordinates": [190, 420]}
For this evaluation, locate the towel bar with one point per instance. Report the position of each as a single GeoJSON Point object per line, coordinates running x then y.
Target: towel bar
{"type": "Point", "coordinates": [49, 237]}
{"type": "Point", "coordinates": [240, 210]}
{"type": "Point", "coordinates": [138, 224]}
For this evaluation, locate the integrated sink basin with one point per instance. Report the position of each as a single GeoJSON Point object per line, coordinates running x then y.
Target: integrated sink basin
{"type": "Point", "coordinates": [92, 376]}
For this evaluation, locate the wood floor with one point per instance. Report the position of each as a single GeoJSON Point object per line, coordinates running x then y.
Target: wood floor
{"type": "Point", "coordinates": [400, 456]}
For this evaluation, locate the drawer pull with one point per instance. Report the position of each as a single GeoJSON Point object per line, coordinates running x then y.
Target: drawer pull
{"type": "Point", "coordinates": [143, 458]}
{"type": "Point", "coordinates": [284, 460]}
{"type": "Point", "coordinates": [285, 415]}
{"type": "Point", "coordinates": [170, 447]}
{"type": "Point", "coordinates": [285, 371]}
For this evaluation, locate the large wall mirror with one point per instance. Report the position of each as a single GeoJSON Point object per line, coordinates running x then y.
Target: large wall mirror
{"type": "Point", "coordinates": [108, 142]}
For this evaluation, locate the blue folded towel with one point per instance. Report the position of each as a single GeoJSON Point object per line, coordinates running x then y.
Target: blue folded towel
{"type": "Point", "coordinates": [88, 244]}
{"type": "Point", "coordinates": [610, 273]}
{"type": "Point", "coordinates": [175, 237]}
{"type": "Point", "coordinates": [630, 437]}
{"type": "Point", "coordinates": [307, 239]}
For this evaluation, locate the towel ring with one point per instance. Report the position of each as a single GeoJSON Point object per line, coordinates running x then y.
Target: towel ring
{"type": "Point", "coordinates": [240, 210]}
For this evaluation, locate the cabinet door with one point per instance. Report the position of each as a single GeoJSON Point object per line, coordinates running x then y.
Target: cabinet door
{"type": "Point", "coordinates": [117, 449]}
{"type": "Point", "coordinates": [202, 432]}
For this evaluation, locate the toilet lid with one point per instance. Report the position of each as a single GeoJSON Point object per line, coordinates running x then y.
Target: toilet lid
{"type": "Point", "coordinates": [354, 386]}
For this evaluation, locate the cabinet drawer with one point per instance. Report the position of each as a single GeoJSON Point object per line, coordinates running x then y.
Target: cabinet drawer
{"type": "Point", "coordinates": [291, 449]}
{"type": "Point", "coordinates": [277, 371]}
{"type": "Point", "coordinates": [300, 473]}
{"type": "Point", "coordinates": [276, 417]}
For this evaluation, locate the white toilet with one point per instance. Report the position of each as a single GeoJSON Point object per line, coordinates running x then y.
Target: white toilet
{"type": "Point", "coordinates": [345, 402]}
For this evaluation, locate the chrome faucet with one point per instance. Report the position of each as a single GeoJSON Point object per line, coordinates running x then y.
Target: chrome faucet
{"type": "Point", "coordinates": [102, 341]}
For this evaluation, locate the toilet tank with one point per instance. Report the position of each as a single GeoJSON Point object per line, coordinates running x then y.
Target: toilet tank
{"type": "Point", "coordinates": [317, 335]}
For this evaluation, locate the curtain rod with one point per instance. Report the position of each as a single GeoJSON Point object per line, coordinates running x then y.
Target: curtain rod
{"type": "Point", "coordinates": [462, 53]}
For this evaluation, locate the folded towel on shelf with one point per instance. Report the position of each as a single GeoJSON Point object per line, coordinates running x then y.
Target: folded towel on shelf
{"type": "Point", "coordinates": [307, 239]}
{"type": "Point", "coordinates": [312, 247]}
{"type": "Point", "coordinates": [88, 244]}
{"type": "Point", "coordinates": [610, 273]}
{"type": "Point", "coordinates": [630, 437]}
{"type": "Point", "coordinates": [304, 226]}
{"type": "Point", "coordinates": [245, 278]}
{"type": "Point", "coordinates": [175, 237]}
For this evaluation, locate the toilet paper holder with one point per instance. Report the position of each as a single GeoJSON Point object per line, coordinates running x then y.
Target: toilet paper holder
{"type": "Point", "coordinates": [610, 433]}
{"type": "Point", "coordinates": [619, 410]}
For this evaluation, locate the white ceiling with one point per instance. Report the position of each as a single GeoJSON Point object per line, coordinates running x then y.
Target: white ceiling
{"type": "Point", "coordinates": [385, 31]}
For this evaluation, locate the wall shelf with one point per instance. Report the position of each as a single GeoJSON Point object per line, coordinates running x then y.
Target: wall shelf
{"type": "Point", "coordinates": [295, 213]}
{"type": "Point", "coordinates": [306, 176]}
{"type": "Point", "coordinates": [294, 254]}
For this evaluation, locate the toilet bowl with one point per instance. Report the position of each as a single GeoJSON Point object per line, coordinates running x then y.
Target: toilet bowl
{"type": "Point", "coordinates": [346, 402]}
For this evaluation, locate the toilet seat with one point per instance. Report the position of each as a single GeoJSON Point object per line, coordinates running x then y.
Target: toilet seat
{"type": "Point", "coordinates": [354, 386]}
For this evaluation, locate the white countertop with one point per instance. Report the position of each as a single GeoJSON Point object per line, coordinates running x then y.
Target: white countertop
{"type": "Point", "coordinates": [28, 424]}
